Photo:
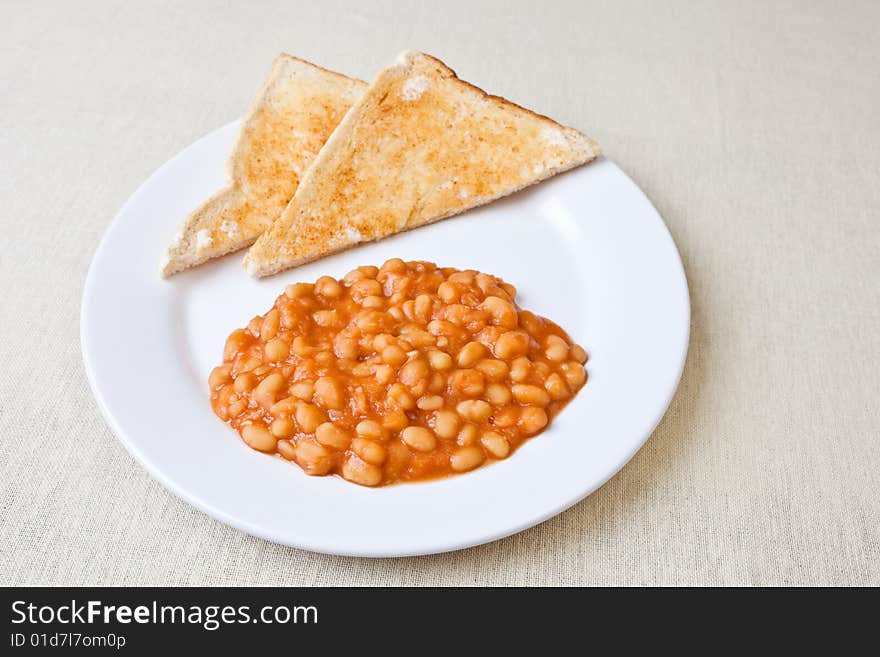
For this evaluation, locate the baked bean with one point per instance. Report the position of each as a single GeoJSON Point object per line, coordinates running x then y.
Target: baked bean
{"type": "Point", "coordinates": [466, 458]}
{"type": "Point", "coordinates": [353, 276]}
{"type": "Point", "coordinates": [324, 358]}
{"type": "Point", "coordinates": [259, 437]}
{"type": "Point", "coordinates": [526, 394]}
{"type": "Point", "coordinates": [420, 388]}
{"type": "Point", "coordinates": [403, 372]}
{"type": "Point", "coordinates": [418, 337]}
{"type": "Point", "coordinates": [512, 344]}
{"type": "Point", "coordinates": [384, 374]}
{"type": "Point", "coordinates": [303, 390]}
{"type": "Point", "coordinates": [326, 317]}
{"type": "Point", "coordinates": [437, 383]}
{"type": "Point", "coordinates": [467, 435]}
{"type": "Point", "coordinates": [419, 438]}
{"type": "Point", "coordinates": [492, 369]}
{"type": "Point", "coordinates": [309, 417]}
{"type": "Point", "coordinates": [430, 402]}
{"type": "Point", "coordinates": [467, 383]}
{"type": "Point", "coordinates": [464, 277]}
{"type": "Point", "coordinates": [276, 350]}
{"type": "Point", "coordinates": [532, 419]}
{"type": "Point", "coordinates": [366, 287]}
{"type": "Point", "coordinates": [219, 376]}
{"type": "Point", "coordinates": [447, 292]}
{"type": "Point", "coordinates": [363, 369]}
{"type": "Point", "coordinates": [271, 384]}
{"type": "Point", "coordinates": [395, 420]}
{"type": "Point", "coordinates": [359, 404]}
{"type": "Point", "coordinates": [331, 435]}
{"type": "Point", "coordinates": [249, 364]}
{"type": "Point", "coordinates": [502, 312]}
{"type": "Point", "coordinates": [244, 382]}
{"type": "Point", "coordinates": [306, 370]}
{"type": "Point", "coordinates": [234, 344]}
{"type": "Point", "coordinates": [286, 406]}
{"type": "Point", "coordinates": [475, 410]}
{"type": "Point", "coordinates": [236, 407]}
{"type": "Point", "coordinates": [556, 387]}
{"type": "Point", "coordinates": [394, 355]}
{"type": "Point", "coordinates": [371, 320]}
{"type": "Point", "coordinates": [327, 286]}
{"type": "Point", "coordinates": [496, 444]}
{"type": "Point", "coordinates": [301, 347]}
{"type": "Point", "coordinates": [298, 290]}
{"type": "Point", "coordinates": [290, 316]}
{"type": "Point", "coordinates": [221, 398]}
{"type": "Point", "coordinates": [360, 472]}
{"type": "Point", "coordinates": [382, 340]}
{"type": "Point", "coordinates": [530, 322]}
{"type": "Point", "coordinates": [286, 450]}
{"type": "Point", "coordinates": [457, 314]}
{"type": "Point", "coordinates": [555, 348]}
{"type": "Point", "coordinates": [485, 282]}
{"type": "Point", "coordinates": [424, 303]}
{"type": "Point", "coordinates": [446, 424]}
{"type": "Point", "coordinates": [328, 393]}
{"type": "Point", "coordinates": [540, 369]}
{"type": "Point", "coordinates": [442, 327]}
{"type": "Point", "coordinates": [269, 326]}
{"type": "Point", "coordinates": [369, 451]}
{"type": "Point", "coordinates": [440, 360]}
{"type": "Point", "coordinates": [505, 417]}
{"type": "Point", "coordinates": [371, 429]}
{"type": "Point", "coordinates": [574, 373]}
{"type": "Point", "coordinates": [519, 369]}
{"type": "Point", "coordinates": [414, 373]}
{"type": "Point", "coordinates": [470, 354]}
{"type": "Point", "coordinates": [394, 264]}
{"type": "Point", "coordinates": [314, 458]}
{"type": "Point", "coordinates": [497, 394]}
{"type": "Point", "coordinates": [471, 299]}
{"type": "Point", "coordinates": [281, 427]}
{"type": "Point", "coordinates": [399, 396]}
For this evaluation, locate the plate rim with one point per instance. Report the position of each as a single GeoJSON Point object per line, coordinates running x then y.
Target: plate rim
{"type": "Point", "coordinates": [260, 532]}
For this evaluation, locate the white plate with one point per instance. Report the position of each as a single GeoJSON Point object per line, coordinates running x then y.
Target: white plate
{"type": "Point", "coordinates": [585, 249]}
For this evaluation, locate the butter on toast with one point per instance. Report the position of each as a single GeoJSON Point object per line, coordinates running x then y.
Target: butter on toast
{"type": "Point", "coordinates": [420, 145]}
{"type": "Point", "coordinates": [288, 122]}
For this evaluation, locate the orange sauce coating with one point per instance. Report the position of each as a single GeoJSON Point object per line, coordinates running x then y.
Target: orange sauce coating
{"type": "Point", "coordinates": [396, 373]}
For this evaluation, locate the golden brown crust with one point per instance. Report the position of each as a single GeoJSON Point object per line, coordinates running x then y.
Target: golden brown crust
{"type": "Point", "coordinates": [290, 118]}
{"type": "Point", "coordinates": [419, 146]}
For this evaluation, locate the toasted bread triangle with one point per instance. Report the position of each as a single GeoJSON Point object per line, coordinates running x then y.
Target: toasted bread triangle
{"type": "Point", "coordinates": [419, 146]}
{"type": "Point", "coordinates": [289, 120]}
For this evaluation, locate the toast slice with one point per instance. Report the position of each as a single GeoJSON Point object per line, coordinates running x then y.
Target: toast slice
{"type": "Point", "coordinates": [291, 117]}
{"type": "Point", "coordinates": [419, 146]}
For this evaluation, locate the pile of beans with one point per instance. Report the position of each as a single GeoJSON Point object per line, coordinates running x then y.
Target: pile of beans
{"type": "Point", "coordinates": [395, 373]}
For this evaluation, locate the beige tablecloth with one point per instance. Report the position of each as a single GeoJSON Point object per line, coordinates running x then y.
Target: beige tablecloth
{"type": "Point", "coordinates": [753, 126]}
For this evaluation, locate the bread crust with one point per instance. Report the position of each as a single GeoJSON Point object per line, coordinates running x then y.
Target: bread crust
{"type": "Point", "coordinates": [419, 146]}
{"type": "Point", "coordinates": [295, 110]}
